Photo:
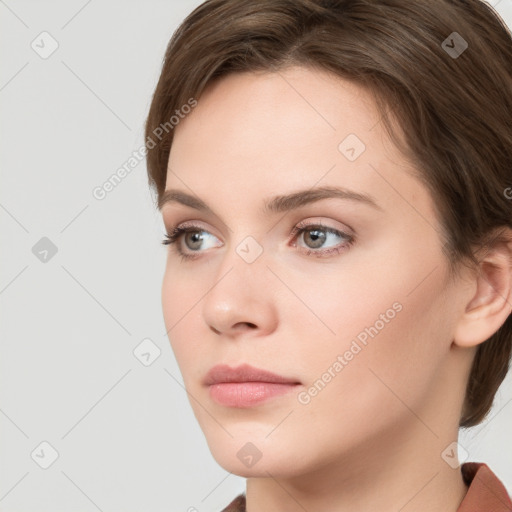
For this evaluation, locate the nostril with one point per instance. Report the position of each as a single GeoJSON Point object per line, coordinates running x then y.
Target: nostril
{"type": "Point", "coordinates": [237, 326]}
{"type": "Point", "coordinates": [251, 325]}
{"type": "Point", "coordinates": [243, 325]}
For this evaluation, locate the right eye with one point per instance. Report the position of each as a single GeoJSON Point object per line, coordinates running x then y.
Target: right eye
{"type": "Point", "coordinates": [194, 238]}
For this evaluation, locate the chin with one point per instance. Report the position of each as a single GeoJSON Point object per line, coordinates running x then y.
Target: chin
{"type": "Point", "coordinates": [276, 463]}
{"type": "Point", "coordinates": [252, 453]}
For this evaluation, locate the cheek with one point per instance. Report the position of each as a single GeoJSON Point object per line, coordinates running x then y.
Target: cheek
{"type": "Point", "coordinates": [181, 296]}
{"type": "Point", "coordinates": [388, 328]}
{"type": "Point", "coordinates": [183, 287]}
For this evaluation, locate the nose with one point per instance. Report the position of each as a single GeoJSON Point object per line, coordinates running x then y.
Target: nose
{"type": "Point", "coordinates": [241, 298]}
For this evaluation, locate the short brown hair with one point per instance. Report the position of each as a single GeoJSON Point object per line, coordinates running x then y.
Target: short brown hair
{"type": "Point", "coordinates": [454, 111]}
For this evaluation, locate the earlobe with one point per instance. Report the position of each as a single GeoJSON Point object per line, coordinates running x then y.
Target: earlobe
{"type": "Point", "coordinates": [491, 304]}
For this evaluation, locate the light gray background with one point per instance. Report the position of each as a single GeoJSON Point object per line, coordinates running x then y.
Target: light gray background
{"type": "Point", "coordinates": [124, 432]}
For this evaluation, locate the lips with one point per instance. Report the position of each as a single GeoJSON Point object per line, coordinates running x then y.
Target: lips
{"type": "Point", "coordinates": [246, 386]}
{"type": "Point", "coordinates": [244, 373]}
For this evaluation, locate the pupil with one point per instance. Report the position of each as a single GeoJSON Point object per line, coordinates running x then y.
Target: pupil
{"type": "Point", "coordinates": [195, 238]}
{"type": "Point", "coordinates": [318, 237]}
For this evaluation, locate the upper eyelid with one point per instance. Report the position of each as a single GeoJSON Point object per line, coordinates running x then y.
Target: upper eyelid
{"type": "Point", "coordinates": [320, 223]}
{"type": "Point", "coordinates": [308, 221]}
{"type": "Point", "coordinates": [192, 226]}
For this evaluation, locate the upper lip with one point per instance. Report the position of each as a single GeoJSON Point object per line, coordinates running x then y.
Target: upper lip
{"type": "Point", "coordinates": [243, 373]}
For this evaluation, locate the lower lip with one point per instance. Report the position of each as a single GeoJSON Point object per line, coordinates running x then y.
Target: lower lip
{"type": "Point", "coordinates": [247, 394]}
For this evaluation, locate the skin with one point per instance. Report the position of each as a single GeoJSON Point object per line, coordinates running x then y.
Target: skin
{"type": "Point", "coordinates": [373, 437]}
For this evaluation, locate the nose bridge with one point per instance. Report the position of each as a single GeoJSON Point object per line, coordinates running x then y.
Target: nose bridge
{"type": "Point", "coordinates": [238, 293]}
{"type": "Point", "coordinates": [245, 261]}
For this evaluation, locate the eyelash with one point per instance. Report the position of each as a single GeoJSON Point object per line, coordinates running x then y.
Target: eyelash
{"type": "Point", "coordinates": [176, 233]}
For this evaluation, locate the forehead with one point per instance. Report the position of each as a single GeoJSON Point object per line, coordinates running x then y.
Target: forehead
{"type": "Point", "coordinates": [297, 107]}
{"type": "Point", "coordinates": [272, 132]}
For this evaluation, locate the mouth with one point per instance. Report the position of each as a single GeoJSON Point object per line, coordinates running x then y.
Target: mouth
{"type": "Point", "coordinates": [246, 386]}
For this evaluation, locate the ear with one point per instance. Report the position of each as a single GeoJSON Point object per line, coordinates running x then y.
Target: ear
{"type": "Point", "coordinates": [491, 304]}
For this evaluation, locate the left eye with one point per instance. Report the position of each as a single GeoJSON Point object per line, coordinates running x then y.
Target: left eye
{"type": "Point", "coordinates": [316, 237]}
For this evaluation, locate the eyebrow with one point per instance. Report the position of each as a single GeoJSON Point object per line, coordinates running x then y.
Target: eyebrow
{"type": "Point", "coordinates": [276, 204]}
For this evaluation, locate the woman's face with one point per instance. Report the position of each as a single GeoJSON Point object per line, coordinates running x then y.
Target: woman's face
{"type": "Point", "coordinates": [354, 307]}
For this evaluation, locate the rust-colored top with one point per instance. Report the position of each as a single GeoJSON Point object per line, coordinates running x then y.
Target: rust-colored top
{"type": "Point", "coordinates": [486, 493]}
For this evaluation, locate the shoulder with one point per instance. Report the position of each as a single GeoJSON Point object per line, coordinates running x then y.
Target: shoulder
{"type": "Point", "coordinates": [237, 505]}
{"type": "Point", "coordinates": [486, 492]}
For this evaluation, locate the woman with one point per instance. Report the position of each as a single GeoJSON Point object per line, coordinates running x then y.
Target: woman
{"type": "Point", "coordinates": [335, 182]}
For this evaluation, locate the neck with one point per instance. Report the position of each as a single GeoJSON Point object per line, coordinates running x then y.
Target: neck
{"type": "Point", "coordinates": [398, 472]}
